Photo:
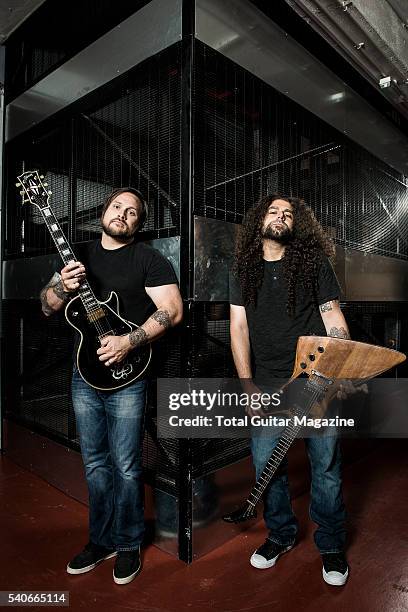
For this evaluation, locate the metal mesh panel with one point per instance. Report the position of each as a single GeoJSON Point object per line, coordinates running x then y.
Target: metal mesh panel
{"type": "Point", "coordinates": [26, 234]}
{"type": "Point", "coordinates": [132, 138]}
{"type": "Point", "coordinates": [162, 457]}
{"type": "Point", "coordinates": [37, 369]}
{"type": "Point", "coordinates": [211, 358]}
{"type": "Point", "coordinates": [210, 349]}
{"type": "Point", "coordinates": [252, 140]}
{"type": "Point", "coordinates": [376, 206]}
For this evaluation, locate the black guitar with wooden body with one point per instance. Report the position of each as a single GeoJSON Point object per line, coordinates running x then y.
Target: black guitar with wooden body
{"type": "Point", "coordinates": [90, 317]}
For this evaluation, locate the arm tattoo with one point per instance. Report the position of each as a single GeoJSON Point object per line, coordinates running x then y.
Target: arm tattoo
{"type": "Point", "coordinates": [162, 317]}
{"type": "Point", "coordinates": [58, 289]}
{"type": "Point", "coordinates": [55, 284]}
{"type": "Point", "coordinates": [138, 337]}
{"type": "Point", "coordinates": [327, 306]}
{"type": "Point", "coordinates": [337, 332]}
{"type": "Point", "coordinates": [47, 310]}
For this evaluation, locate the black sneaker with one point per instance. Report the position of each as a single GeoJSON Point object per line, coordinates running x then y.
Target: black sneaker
{"type": "Point", "coordinates": [335, 568]}
{"type": "Point", "coordinates": [127, 566]}
{"type": "Point", "coordinates": [266, 555]}
{"type": "Point", "coordinates": [89, 558]}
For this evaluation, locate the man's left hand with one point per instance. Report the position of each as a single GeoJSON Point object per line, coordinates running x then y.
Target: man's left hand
{"type": "Point", "coordinates": [346, 388]}
{"type": "Point", "coordinates": [114, 349]}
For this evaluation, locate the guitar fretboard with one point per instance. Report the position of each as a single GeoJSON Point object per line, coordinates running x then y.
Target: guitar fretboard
{"type": "Point", "coordinates": [86, 294]}
{"type": "Point", "coordinates": [315, 390]}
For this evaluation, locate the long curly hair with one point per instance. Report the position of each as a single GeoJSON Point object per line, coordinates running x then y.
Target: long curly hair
{"type": "Point", "coordinates": [303, 252]}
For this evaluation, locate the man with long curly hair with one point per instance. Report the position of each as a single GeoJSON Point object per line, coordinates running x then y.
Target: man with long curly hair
{"type": "Point", "coordinates": [282, 287]}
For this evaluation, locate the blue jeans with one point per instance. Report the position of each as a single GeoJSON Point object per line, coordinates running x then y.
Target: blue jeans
{"type": "Point", "coordinates": [110, 426]}
{"type": "Point", "coordinates": [326, 506]}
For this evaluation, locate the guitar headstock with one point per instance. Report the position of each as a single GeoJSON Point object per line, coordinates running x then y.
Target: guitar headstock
{"type": "Point", "coordinates": [34, 190]}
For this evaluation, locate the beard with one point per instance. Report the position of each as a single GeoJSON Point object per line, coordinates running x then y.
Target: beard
{"type": "Point", "coordinates": [282, 234]}
{"type": "Point", "coordinates": [121, 233]}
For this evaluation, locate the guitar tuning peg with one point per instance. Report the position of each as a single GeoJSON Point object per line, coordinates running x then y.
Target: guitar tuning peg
{"type": "Point", "coordinates": [49, 192]}
{"type": "Point", "coordinates": [22, 193]}
{"type": "Point", "coordinates": [18, 184]}
{"type": "Point", "coordinates": [41, 176]}
{"type": "Point", "coordinates": [45, 184]}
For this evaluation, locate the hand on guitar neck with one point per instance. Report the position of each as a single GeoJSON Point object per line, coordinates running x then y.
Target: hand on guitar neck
{"type": "Point", "coordinates": [72, 276]}
{"type": "Point", "coordinates": [253, 392]}
{"type": "Point", "coordinates": [341, 390]}
{"type": "Point", "coordinates": [62, 288]}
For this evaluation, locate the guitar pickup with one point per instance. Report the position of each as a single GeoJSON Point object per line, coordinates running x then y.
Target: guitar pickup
{"type": "Point", "coordinates": [95, 315]}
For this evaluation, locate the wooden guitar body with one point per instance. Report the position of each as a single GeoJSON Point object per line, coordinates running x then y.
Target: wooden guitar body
{"type": "Point", "coordinates": [338, 358]}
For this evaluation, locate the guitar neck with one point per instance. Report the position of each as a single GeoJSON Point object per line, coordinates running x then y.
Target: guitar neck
{"type": "Point", "coordinates": [68, 256]}
{"type": "Point", "coordinates": [315, 389]}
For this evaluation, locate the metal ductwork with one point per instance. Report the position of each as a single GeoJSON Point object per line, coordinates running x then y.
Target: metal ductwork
{"type": "Point", "coordinates": [371, 35]}
{"type": "Point", "coordinates": [12, 15]}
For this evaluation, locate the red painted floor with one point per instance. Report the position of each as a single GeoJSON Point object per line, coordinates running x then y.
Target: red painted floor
{"type": "Point", "coordinates": [41, 529]}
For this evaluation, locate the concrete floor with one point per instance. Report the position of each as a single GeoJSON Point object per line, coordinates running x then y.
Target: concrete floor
{"type": "Point", "coordinates": [41, 529]}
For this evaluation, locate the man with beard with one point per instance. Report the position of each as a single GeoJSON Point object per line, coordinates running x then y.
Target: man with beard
{"type": "Point", "coordinates": [283, 287]}
{"type": "Point", "coordinates": [110, 423]}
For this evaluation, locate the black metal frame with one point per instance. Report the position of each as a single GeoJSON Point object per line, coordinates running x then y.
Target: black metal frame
{"type": "Point", "coordinates": [2, 226]}
{"type": "Point", "coordinates": [186, 267]}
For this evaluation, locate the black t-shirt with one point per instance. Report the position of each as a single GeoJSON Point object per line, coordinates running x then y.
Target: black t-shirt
{"type": "Point", "coordinates": [273, 334]}
{"type": "Point", "coordinates": [126, 270]}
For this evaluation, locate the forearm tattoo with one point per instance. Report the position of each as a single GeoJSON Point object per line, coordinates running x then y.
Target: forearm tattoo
{"type": "Point", "coordinates": [339, 332]}
{"type": "Point", "coordinates": [55, 283]}
{"type": "Point", "coordinates": [162, 317]}
{"type": "Point", "coordinates": [59, 291]}
{"type": "Point", "coordinates": [138, 337]}
{"type": "Point", "coordinates": [47, 310]}
{"type": "Point", "coordinates": [327, 306]}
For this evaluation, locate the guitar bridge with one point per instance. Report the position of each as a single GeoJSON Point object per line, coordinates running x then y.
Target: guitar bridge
{"type": "Point", "coordinates": [325, 380]}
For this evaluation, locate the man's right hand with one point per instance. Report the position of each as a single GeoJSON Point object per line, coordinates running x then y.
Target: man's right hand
{"type": "Point", "coordinates": [250, 388]}
{"type": "Point", "coordinates": [72, 276]}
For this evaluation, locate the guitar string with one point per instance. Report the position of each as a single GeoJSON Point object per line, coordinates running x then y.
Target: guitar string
{"type": "Point", "coordinates": [268, 472]}
{"type": "Point", "coordinates": [50, 220]}
{"type": "Point", "coordinates": [102, 327]}
{"type": "Point", "coordinates": [271, 466]}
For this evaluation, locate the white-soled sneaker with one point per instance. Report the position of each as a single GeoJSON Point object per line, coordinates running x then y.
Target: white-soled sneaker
{"type": "Point", "coordinates": [89, 558]}
{"type": "Point", "coordinates": [127, 566]}
{"type": "Point", "coordinates": [335, 569]}
{"type": "Point", "coordinates": [266, 555]}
